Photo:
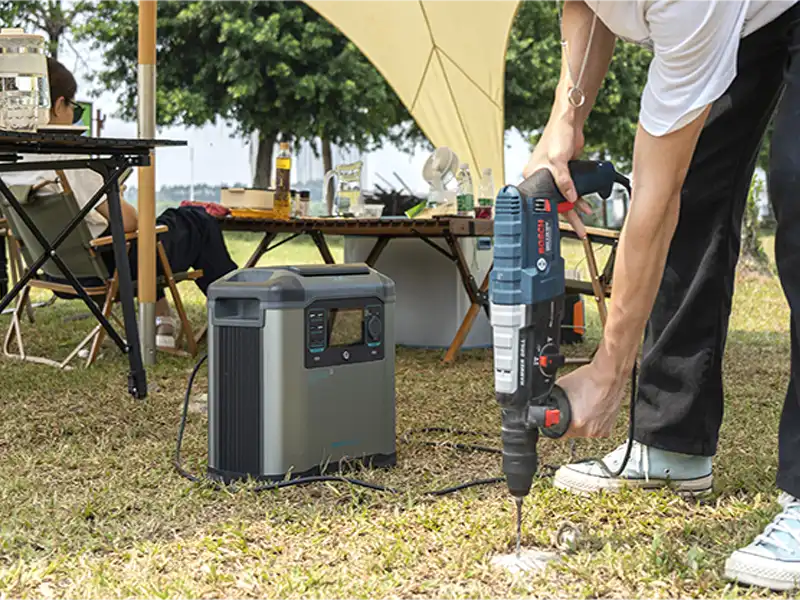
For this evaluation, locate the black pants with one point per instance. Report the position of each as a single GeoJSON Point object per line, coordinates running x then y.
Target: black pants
{"type": "Point", "coordinates": [680, 402]}
{"type": "Point", "coordinates": [193, 240]}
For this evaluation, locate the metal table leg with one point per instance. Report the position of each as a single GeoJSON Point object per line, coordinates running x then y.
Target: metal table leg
{"type": "Point", "coordinates": [137, 378]}
{"type": "Point", "coordinates": [261, 250]}
{"type": "Point", "coordinates": [323, 248]}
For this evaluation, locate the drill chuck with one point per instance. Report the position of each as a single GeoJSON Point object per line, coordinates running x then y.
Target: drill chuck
{"type": "Point", "coordinates": [519, 451]}
{"type": "Point", "coordinates": [521, 427]}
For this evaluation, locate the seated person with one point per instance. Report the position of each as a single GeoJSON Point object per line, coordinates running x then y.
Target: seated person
{"type": "Point", "coordinates": [194, 239]}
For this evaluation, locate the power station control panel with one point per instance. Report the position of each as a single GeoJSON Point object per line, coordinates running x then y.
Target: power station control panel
{"type": "Point", "coordinates": [346, 331]}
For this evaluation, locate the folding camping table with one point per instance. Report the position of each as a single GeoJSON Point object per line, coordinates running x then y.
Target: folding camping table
{"type": "Point", "coordinates": [110, 158]}
{"type": "Point", "coordinates": [447, 228]}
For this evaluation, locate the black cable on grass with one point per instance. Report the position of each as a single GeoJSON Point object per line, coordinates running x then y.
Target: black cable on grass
{"type": "Point", "coordinates": [372, 486]}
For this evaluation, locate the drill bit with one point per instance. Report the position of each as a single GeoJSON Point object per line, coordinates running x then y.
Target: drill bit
{"type": "Point", "coordinates": [518, 502]}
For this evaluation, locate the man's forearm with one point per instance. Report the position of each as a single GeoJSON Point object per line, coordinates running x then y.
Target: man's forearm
{"type": "Point", "coordinates": [659, 169]}
{"type": "Point", "coordinates": [577, 25]}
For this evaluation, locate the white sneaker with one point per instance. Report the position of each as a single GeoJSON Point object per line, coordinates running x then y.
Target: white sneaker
{"type": "Point", "coordinates": [647, 468]}
{"type": "Point", "coordinates": [167, 329]}
{"type": "Point", "coordinates": [773, 559]}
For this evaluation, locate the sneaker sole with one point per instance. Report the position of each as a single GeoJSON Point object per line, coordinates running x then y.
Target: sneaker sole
{"type": "Point", "coordinates": [165, 341]}
{"type": "Point", "coordinates": [583, 484]}
{"type": "Point", "coordinates": [758, 571]}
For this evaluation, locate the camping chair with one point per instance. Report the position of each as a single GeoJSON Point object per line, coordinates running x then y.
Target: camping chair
{"type": "Point", "coordinates": [49, 211]}
{"type": "Point", "coordinates": [15, 268]}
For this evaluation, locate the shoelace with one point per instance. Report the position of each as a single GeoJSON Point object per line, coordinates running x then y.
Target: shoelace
{"type": "Point", "coordinates": [790, 513]}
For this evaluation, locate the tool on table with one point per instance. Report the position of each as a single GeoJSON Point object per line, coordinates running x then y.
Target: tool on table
{"type": "Point", "coordinates": [527, 291]}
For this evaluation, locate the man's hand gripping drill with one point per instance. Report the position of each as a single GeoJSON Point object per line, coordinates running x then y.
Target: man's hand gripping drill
{"type": "Point", "coordinates": [527, 298]}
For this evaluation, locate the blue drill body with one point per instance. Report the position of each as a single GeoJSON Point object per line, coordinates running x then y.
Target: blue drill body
{"type": "Point", "coordinates": [526, 293]}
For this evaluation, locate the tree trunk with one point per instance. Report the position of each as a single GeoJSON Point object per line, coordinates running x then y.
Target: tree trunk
{"type": "Point", "coordinates": [263, 174]}
{"type": "Point", "coordinates": [54, 42]}
{"type": "Point", "coordinates": [769, 222]}
{"type": "Point", "coordinates": [327, 165]}
{"type": "Point", "coordinates": [753, 256]}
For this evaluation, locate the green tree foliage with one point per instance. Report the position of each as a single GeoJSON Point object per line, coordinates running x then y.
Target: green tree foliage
{"type": "Point", "coordinates": [276, 68]}
{"type": "Point", "coordinates": [48, 16]}
{"type": "Point", "coordinates": [533, 64]}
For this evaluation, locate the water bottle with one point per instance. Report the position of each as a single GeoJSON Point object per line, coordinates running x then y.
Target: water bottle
{"type": "Point", "coordinates": [485, 196]}
{"type": "Point", "coordinates": [24, 85]}
{"type": "Point", "coordinates": [465, 197]}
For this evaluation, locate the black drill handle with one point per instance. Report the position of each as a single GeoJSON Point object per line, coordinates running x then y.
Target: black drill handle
{"type": "Point", "coordinates": [588, 176]}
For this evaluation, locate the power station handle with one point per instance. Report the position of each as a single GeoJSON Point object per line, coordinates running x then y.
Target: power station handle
{"type": "Point", "coordinates": [330, 270]}
{"type": "Point", "coordinates": [588, 176]}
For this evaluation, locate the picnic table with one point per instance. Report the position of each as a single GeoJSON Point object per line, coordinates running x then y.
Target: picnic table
{"type": "Point", "coordinates": [446, 228]}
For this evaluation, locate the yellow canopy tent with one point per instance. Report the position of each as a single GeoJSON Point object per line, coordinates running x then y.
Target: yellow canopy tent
{"type": "Point", "coordinates": [444, 59]}
{"type": "Point", "coordinates": [446, 62]}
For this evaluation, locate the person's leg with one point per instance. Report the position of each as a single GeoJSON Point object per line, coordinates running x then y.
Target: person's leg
{"type": "Point", "coordinates": [195, 241]}
{"type": "Point", "coordinates": [680, 398]}
{"type": "Point", "coordinates": [773, 559]}
{"type": "Point", "coordinates": [166, 325]}
{"type": "Point", "coordinates": [783, 186]}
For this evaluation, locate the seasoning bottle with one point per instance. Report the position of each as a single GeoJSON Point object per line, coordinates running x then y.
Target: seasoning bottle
{"type": "Point", "coordinates": [282, 206]}
{"type": "Point", "coordinates": [303, 205]}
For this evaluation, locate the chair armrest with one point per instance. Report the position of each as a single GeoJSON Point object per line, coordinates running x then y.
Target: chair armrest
{"type": "Point", "coordinates": [107, 239]}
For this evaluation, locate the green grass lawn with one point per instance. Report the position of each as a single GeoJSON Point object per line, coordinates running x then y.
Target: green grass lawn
{"type": "Point", "coordinates": [93, 508]}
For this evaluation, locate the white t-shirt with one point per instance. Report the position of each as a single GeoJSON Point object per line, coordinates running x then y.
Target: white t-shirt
{"type": "Point", "coordinates": [695, 45]}
{"type": "Point", "coordinates": [84, 183]}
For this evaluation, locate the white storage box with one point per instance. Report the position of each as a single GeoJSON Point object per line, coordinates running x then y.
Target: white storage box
{"type": "Point", "coordinates": [246, 198]}
{"type": "Point", "coordinates": [431, 300]}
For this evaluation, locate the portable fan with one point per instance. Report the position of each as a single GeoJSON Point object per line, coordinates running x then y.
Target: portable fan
{"type": "Point", "coordinates": [439, 170]}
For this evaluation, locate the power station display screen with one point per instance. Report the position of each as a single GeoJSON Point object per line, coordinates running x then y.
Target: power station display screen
{"type": "Point", "coordinates": [343, 331]}
{"type": "Point", "coordinates": [346, 326]}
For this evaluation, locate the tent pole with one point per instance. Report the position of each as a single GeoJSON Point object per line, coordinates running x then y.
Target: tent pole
{"type": "Point", "coordinates": [147, 181]}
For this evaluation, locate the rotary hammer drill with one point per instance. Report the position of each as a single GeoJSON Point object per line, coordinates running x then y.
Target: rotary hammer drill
{"type": "Point", "coordinates": [526, 298]}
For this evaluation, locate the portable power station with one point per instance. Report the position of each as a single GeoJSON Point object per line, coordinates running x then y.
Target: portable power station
{"type": "Point", "coordinates": [301, 373]}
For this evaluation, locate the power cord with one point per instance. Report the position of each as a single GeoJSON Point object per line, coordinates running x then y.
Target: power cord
{"type": "Point", "coordinates": [178, 463]}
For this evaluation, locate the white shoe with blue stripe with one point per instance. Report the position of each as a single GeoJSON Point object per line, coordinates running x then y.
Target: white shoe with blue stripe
{"type": "Point", "coordinates": [773, 559]}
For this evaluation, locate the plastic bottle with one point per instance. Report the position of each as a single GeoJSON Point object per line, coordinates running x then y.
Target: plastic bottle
{"type": "Point", "coordinates": [282, 205]}
{"type": "Point", "coordinates": [465, 197]}
{"type": "Point", "coordinates": [485, 196]}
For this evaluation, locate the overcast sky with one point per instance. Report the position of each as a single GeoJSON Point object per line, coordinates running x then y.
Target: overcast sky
{"type": "Point", "coordinates": [220, 158]}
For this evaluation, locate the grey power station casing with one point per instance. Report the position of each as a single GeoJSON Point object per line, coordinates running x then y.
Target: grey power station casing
{"type": "Point", "coordinates": [301, 371]}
